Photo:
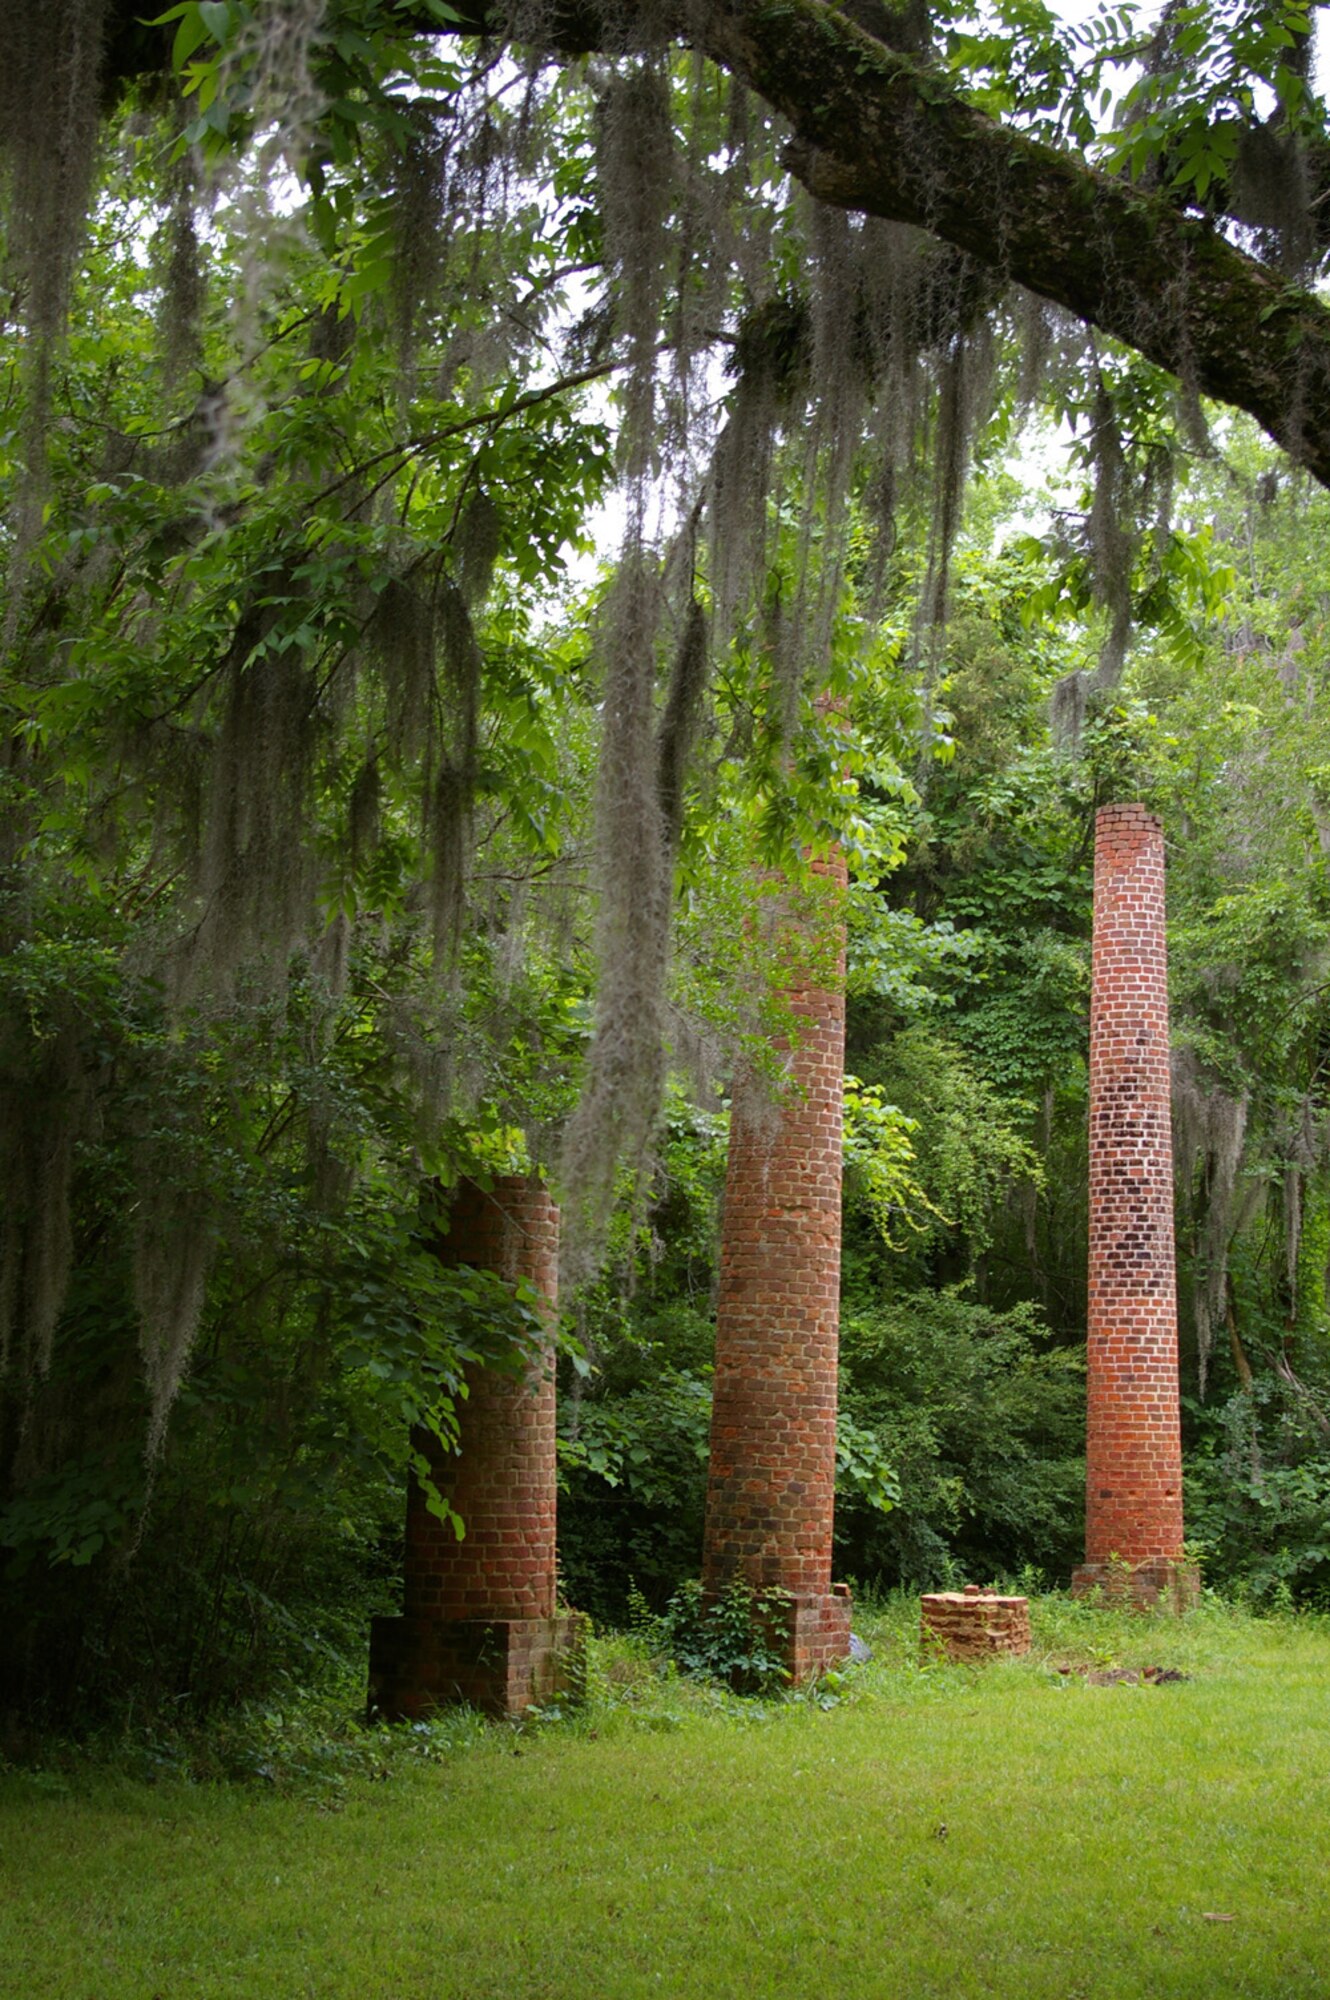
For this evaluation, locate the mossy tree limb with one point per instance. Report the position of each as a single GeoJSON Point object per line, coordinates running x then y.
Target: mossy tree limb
{"type": "Point", "coordinates": [877, 132]}
{"type": "Point", "coordinates": [880, 132]}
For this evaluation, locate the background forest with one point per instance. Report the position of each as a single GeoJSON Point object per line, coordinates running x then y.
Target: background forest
{"type": "Point", "coordinates": [323, 877]}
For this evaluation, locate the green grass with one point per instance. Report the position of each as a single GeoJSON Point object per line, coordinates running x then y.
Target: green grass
{"type": "Point", "coordinates": [1014, 1831]}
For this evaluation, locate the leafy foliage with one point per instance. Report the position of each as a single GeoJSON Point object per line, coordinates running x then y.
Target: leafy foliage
{"type": "Point", "coordinates": [982, 1418]}
{"type": "Point", "coordinates": [735, 1637]}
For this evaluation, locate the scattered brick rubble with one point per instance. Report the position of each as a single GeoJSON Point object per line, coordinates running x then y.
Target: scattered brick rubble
{"type": "Point", "coordinates": [1127, 1676]}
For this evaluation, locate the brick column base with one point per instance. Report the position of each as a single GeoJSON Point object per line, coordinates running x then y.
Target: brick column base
{"type": "Point", "coordinates": [817, 1632]}
{"type": "Point", "coordinates": [498, 1665]}
{"type": "Point", "coordinates": [1164, 1583]}
{"type": "Point", "coordinates": [807, 1630]}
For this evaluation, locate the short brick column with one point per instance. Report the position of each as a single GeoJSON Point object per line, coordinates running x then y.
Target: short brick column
{"type": "Point", "coordinates": [772, 1478]}
{"type": "Point", "coordinates": [480, 1623]}
{"type": "Point", "coordinates": [972, 1625]}
{"type": "Point", "coordinates": [1133, 1515]}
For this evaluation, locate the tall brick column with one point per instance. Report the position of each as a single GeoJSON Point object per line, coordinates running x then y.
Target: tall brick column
{"type": "Point", "coordinates": [1133, 1517]}
{"type": "Point", "coordinates": [480, 1623]}
{"type": "Point", "coordinates": [771, 1484]}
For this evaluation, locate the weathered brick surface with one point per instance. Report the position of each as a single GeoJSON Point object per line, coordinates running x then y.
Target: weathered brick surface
{"type": "Point", "coordinates": [479, 1621]}
{"type": "Point", "coordinates": [1166, 1584]}
{"type": "Point", "coordinates": [818, 1633]}
{"type": "Point", "coordinates": [771, 1484]}
{"type": "Point", "coordinates": [500, 1666]}
{"type": "Point", "coordinates": [1134, 1453]}
{"type": "Point", "coordinates": [503, 1479]}
{"type": "Point", "coordinates": [973, 1624]}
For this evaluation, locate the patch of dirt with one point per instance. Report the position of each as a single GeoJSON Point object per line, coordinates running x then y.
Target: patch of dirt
{"type": "Point", "coordinates": [1126, 1676]}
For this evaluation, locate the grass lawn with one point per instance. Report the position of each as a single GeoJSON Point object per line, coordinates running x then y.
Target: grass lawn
{"type": "Point", "coordinates": [1013, 1831]}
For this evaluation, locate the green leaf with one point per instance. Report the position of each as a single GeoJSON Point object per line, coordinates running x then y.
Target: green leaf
{"type": "Point", "coordinates": [217, 17]}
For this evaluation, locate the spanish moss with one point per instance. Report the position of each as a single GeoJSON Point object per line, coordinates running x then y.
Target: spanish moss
{"type": "Point", "coordinates": [625, 1065]}
{"type": "Point", "coordinates": [1209, 1128]}
{"type": "Point", "coordinates": [171, 1255]}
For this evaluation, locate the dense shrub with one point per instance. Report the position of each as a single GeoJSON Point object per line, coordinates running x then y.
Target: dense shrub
{"type": "Point", "coordinates": [983, 1419]}
{"type": "Point", "coordinates": [634, 1486]}
{"type": "Point", "coordinates": [1258, 1493]}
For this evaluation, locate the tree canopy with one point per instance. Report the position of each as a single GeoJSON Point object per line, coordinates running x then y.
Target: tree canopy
{"type": "Point", "coordinates": [883, 124]}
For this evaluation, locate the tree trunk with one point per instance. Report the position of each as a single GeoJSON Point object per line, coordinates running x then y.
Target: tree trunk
{"type": "Point", "coordinates": [1239, 1352]}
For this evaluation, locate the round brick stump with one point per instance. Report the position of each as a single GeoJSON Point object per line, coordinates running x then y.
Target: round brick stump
{"type": "Point", "coordinates": [973, 1624]}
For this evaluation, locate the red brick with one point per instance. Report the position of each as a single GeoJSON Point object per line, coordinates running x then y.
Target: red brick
{"type": "Point", "coordinates": [973, 1624]}
{"type": "Point", "coordinates": [771, 1483]}
{"type": "Point", "coordinates": [1133, 1438]}
{"type": "Point", "coordinates": [486, 1604]}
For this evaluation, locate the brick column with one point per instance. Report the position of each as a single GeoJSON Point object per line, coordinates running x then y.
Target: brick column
{"type": "Point", "coordinates": [771, 1484]}
{"type": "Point", "coordinates": [1133, 1444]}
{"type": "Point", "coordinates": [480, 1623]}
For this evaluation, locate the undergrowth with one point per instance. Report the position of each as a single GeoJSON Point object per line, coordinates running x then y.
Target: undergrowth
{"type": "Point", "coordinates": [691, 1665]}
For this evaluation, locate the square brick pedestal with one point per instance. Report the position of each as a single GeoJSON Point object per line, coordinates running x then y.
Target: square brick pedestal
{"type": "Point", "coordinates": [807, 1630]}
{"type": "Point", "coordinates": [1159, 1584]}
{"type": "Point", "coordinates": [818, 1632]}
{"type": "Point", "coordinates": [499, 1665]}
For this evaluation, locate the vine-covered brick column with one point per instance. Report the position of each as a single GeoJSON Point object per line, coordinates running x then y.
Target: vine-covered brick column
{"type": "Point", "coordinates": [480, 1623]}
{"type": "Point", "coordinates": [1133, 1526]}
{"type": "Point", "coordinates": [771, 1485]}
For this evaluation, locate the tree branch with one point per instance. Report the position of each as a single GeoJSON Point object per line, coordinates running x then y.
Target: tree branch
{"type": "Point", "coordinates": [879, 132]}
